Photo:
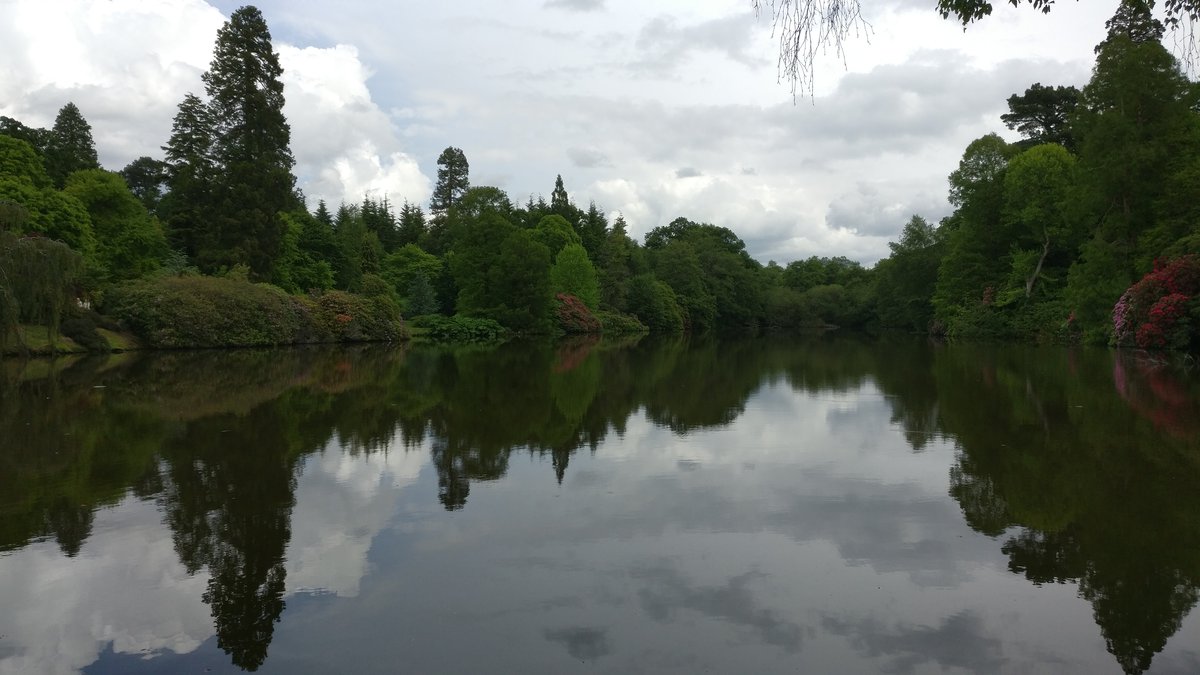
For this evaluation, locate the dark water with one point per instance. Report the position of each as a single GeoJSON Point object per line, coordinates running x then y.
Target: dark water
{"type": "Point", "coordinates": [657, 506]}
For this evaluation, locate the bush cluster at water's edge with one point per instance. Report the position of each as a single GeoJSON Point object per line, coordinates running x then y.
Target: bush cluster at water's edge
{"type": "Point", "coordinates": [573, 316]}
{"type": "Point", "coordinates": [458, 328]}
{"type": "Point", "coordinates": [181, 312]}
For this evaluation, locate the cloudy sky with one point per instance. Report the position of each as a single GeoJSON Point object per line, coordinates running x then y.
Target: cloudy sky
{"type": "Point", "coordinates": [655, 109]}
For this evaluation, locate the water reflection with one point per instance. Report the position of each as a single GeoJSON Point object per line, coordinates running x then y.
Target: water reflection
{"type": "Point", "coordinates": [280, 475]}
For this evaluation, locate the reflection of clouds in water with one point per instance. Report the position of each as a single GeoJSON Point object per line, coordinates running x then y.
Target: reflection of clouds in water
{"type": "Point", "coordinates": [583, 643]}
{"type": "Point", "coordinates": [342, 502]}
{"type": "Point", "coordinates": [126, 587]}
{"type": "Point", "coordinates": [667, 590]}
{"type": "Point", "coordinates": [961, 641]}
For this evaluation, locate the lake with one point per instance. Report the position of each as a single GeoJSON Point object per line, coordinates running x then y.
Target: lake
{"type": "Point", "coordinates": [630, 506]}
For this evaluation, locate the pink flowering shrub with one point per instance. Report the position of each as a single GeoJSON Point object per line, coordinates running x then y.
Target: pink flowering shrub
{"type": "Point", "coordinates": [1157, 312]}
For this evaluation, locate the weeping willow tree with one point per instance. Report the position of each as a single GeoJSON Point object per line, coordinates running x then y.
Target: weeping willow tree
{"type": "Point", "coordinates": [37, 277]}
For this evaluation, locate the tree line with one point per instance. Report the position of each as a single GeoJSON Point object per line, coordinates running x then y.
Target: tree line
{"type": "Point", "coordinates": [1048, 232]}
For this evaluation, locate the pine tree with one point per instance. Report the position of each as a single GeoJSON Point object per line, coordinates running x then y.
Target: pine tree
{"type": "Point", "coordinates": [560, 203]}
{"type": "Point", "coordinates": [250, 145]}
{"type": "Point", "coordinates": [412, 224]}
{"type": "Point", "coordinates": [146, 177]}
{"type": "Point", "coordinates": [69, 146]}
{"type": "Point", "coordinates": [453, 180]}
{"type": "Point", "coordinates": [186, 208]}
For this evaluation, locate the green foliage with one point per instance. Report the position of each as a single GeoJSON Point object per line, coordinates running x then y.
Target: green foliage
{"type": "Point", "coordinates": [402, 267]}
{"type": "Point", "coordinates": [905, 281]}
{"type": "Point", "coordinates": [555, 233]}
{"type": "Point", "coordinates": [36, 138]}
{"type": "Point", "coordinates": [190, 171]}
{"type": "Point", "coordinates": [82, 326]}
{"type": "Point", "coordinates": [460, 328]}
{"type": "Point", "coordinates": [146, 178]}
{"type": "Point", "coordinates": [69, 146]}
{"type": "Point", "coordinates": [20, 162]}
{"type": "Point", "coordinates": [677, 264]}
{"type": "Point", "coordinates": [654, 304]}
{"type": "Point", "coordinates": [300, 267]}
{"type": "Point", "coordinates": [453, 180]}
{"type": "Point", "coordinates": [176, 312]}
{"type": "Point", "coordinates": [411, 226]}
{"type": "Point", "coordinates": [1038, 214]}
{"type": "Point", "coordinates": [1043, 115]}
{"type": "Point", "coordinates": [37, 282]}
{"type": "Point", "coordinates": [420, 298]}
{"type": "Point", "coordinates": [346, 317]}
{"type": "Point", "coordinates": [51, 213]}
{"type": "Point", "coordinates": [575, 275]}
{"type": "Point", "coordinates": [788, 310]}
{"type": "Point", "coordinates": [520, 285]}
{"type": "Point", "coordinates": [615, 323]}
{"type": "Point", "coordinates": [502, 273]}
{"type": "Point", "coordinates": [614, 266]}
{"type": "Point", "coordinates": [129, 243]}
{"type": "Point", "coordinates": [592, 228]}
{"type": "Point", "coordinates": [250, 147]}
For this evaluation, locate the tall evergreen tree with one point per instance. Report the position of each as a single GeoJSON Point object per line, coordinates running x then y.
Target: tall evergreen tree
{"type": "Point", "coordinates": [251, 145]}
{"type": "Point", "coordinates": [560, 203]}
{"type": "Point", "coordinates": [69, 145]}
{"type": "Point", "coordinates": [186, 208]}
{"type": "Point", "coordinates": [323, 215]}
{"type": "Point", "coordinates": [411, 225]}
{"type": "Point", "coordinates": [592, 228]}
{"type": "Point", "coordinates": [453, 180]}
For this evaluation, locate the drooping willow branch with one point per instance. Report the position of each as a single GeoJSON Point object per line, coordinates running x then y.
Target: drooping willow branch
{"type": "Point", "coordinates": [806, 28]}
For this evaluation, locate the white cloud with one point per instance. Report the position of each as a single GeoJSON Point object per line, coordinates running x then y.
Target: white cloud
{"type": "Point", "coordinates": [342, 502]}
{"type": "Point", "coordinates": [126, 64]}
{"type": "Point", "coordinates": [345, 145]}
{"type": "Point", "coordinates": [92, 606]}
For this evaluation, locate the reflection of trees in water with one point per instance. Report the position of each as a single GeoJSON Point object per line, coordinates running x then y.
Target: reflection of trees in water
{"type": "Point", "coordinates": [64, 453]}
{"type": "Point", "coordinates": [1062, 446]}
{"type": "Point", "coordinates": [228, 500]}
{"type": "Point", "coordinates": [1054, 444]}
{"type": "Point", "coordinates": [553, 400]}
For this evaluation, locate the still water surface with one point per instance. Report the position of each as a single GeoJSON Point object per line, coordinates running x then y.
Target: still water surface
{"type": "Point", "coordinates": [753, 506]}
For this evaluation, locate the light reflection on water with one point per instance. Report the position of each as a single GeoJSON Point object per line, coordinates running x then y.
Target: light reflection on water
{"type": "Point", "coordinates": [669, 506]}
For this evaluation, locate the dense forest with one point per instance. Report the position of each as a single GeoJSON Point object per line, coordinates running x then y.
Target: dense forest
{"type": "Point", "coordinates": [1082, 230]}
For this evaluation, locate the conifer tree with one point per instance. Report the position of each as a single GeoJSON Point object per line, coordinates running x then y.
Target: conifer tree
{"type": "Point", "coordinates": [70, 146]}
{"type": "Point", "coordinates": [453, 180]}
{"type": "Point", "coordinates": [251, 145]}
{"type": "Point", "coordinates": [185, 210]}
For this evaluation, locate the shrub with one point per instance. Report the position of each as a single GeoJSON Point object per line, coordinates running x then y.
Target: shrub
{"type": "Point", "coordinates": [614, 322]}
{"type": "Point", "coordinates": [460, 328]}
{"type": "Point", "coordinates": [223, 312]}
{"type": "Point", "coordinates": [573, 316]}
{"type": "Point", "coordinates": [80, 325]}
{"type": "Point", "coordinates": [347, 317]}
{"type": "Point", "coordinates": [1157, 311]}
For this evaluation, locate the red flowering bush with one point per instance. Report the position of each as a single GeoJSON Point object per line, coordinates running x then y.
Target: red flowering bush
{"type": "Point", "coordinates": [1157, 311]}
{"type": "Point", "coordinates": [573, 316]}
